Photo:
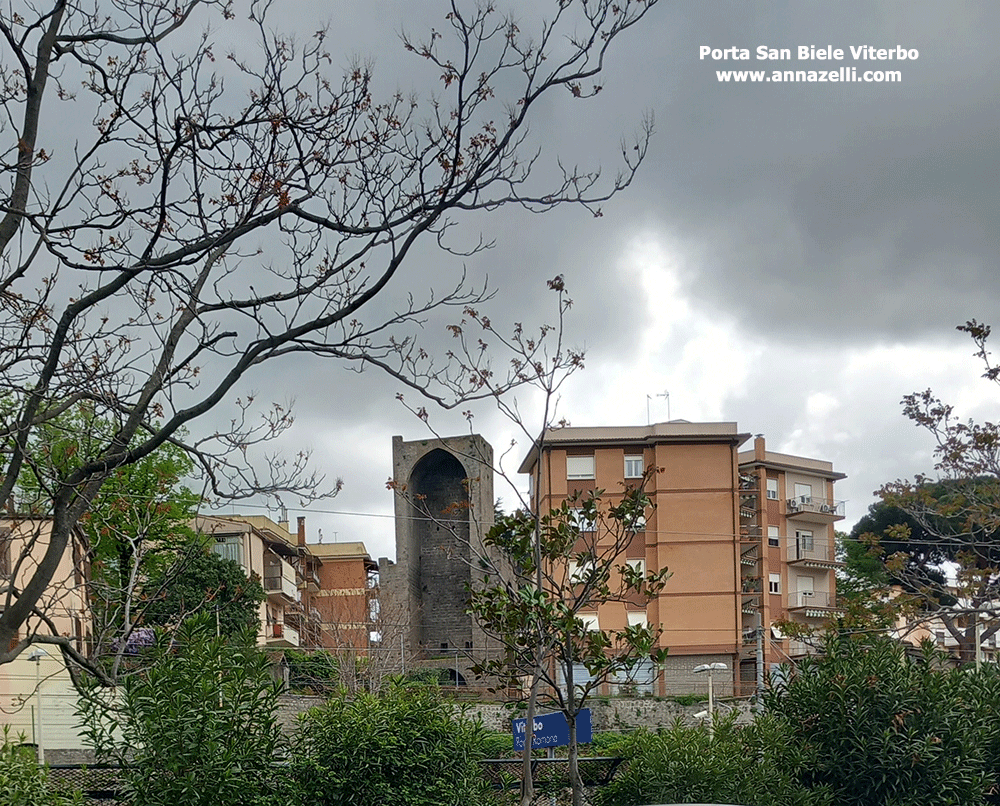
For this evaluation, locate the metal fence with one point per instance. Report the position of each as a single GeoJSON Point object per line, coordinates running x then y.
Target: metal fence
{"type": "Point", "coordinates": [550, 777]}
{"type": "Point", "coordinates": [100, 783]}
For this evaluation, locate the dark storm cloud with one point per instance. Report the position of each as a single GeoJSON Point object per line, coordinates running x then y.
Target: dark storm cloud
{"type": "Point", "coordinates": [812, 217]}
{"type": "Point", "coordinates": [829, 203]}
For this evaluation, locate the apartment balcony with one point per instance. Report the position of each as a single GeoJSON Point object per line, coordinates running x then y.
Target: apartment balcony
{"type": "Point", "coordinates": [750, 595]}
{"type": "Point", "coordinates": [812, 555]}
{"type": "Point", "coordinates": [799, 649]}
{"type": "Point", "coordinates": [812, 604]}
{"type": "Point", "coordinates": [279, 581]}
{"type": "Point", "coordinates": [750, 556]}
{"type": "Point", "coordinates": [283, 634]}
{"type": "Point", "coordinates": [814, 509]}
{"type": "Point", "coordinates": [309, 582]}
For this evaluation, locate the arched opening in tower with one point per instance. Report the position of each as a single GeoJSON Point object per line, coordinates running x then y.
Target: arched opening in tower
{"type": "Point", "coordinates": [439, 504]}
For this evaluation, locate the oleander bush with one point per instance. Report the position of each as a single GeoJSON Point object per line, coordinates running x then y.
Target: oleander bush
{"type": "Point", "coordinates": [405, 746]}
{"type": "Point", "coordinates": [886, 725]}
{"type": "Point", "coordinates": [750, 765]}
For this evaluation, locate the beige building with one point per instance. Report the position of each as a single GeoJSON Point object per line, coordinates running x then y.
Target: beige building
{"type": "Point", "coordinates": [23, 543]}
{"type": "Point", "coordinates": [747, 536]}
{"type": "Point", "coordinates": [318, 595]}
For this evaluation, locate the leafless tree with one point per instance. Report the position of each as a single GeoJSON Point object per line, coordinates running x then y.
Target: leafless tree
{"type": "Point", "coordinates": [174, 218]}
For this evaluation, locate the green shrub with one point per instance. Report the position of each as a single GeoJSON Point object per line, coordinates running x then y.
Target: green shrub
{"type": "Point", "coordinates": [753, 765]}
{"type": "Point", "coordinates": [404, 747]}
{"type": "Point", "coordinates": [23, 782]}
{"type": "Point", "coordinates": [883, 727]}
{"type": "Point", "coordinates": [197, 726]}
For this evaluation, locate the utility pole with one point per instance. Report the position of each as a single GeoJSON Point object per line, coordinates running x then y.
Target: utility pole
{"type": "Point", "coordinates": [760, 663]}
{"type": "Point", "coordinates": [979, 643]}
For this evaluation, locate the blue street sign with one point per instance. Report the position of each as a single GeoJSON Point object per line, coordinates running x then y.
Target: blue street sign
{"type": "Point", "coordinates": [552, 730]}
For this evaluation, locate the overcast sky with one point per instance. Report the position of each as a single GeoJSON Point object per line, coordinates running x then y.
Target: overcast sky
{"type": "Point", "coordinates": [794, 257]}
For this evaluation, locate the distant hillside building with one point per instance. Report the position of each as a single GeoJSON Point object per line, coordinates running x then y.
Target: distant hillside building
{"type": "Point", "coordinates": [318, 595]}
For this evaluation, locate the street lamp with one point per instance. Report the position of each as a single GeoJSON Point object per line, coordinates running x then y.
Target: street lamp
{"type": "Point", "coordinates": [37, 656]}
{"type": "Point", "coordinates": [710, 667]}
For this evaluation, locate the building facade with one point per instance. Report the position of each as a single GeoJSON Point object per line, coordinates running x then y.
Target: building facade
{"type": "Point", "coordinates": [725, 524]}
{"type": "Point", "coordinates": [318, 595]}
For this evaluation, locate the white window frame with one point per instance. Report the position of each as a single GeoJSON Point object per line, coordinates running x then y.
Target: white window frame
{"type": "Point", "coordinates": [772, 489]}
{"type": "Point", "coordinates": [803, 492]}
{"type": "Point", "coordinates": [774, 583]}
{"type": "Point", "coordinates": [637, 618]}
{"type": "Point", "coordinates": [580, 467]}
{"type": "Point", "coordinates": [805, 540]}
{"type": "Point", "coordinates": [630, 466]}
{"type": "Point", "coordinates": [773, 536]}
{"type": "Point", "coordinates": [230, 542]}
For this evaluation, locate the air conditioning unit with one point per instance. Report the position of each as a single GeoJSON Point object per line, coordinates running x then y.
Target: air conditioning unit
{"type": "Point", "coordinates": [794, 506]}
{"type": "Point", "coordinates": [826, 508]}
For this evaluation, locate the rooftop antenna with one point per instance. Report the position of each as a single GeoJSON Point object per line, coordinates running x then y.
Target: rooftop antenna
{"type": "Point", "coordinates": [650, 397]}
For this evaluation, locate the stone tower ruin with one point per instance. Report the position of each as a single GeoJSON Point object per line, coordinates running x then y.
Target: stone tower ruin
{"type": "Point", "coordinates": [443, 507]}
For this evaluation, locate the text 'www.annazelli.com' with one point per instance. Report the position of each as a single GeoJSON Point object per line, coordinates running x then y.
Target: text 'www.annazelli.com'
{"type": "Point", "coordinates": [840, 74]}
{"type": "Point", "coordinates": [846, 75]}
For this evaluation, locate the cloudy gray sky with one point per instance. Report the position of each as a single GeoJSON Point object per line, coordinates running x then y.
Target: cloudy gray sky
{"type": "Point", "coordinates": [794, 257]}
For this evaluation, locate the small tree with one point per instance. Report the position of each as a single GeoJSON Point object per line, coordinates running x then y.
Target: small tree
{"type": "Point", "coordinates": [202, 582]}
{"type": "Point", "coordinates": [555, 569]}
{"type": "Point", "coordinates": [958, 515]}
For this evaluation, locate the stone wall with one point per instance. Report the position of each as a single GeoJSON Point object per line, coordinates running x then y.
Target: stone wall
{"type": "Point", "coordinates": [616, 714]}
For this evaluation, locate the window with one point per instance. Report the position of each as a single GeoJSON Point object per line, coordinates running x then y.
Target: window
{"type": "Point", "coordinates": [578, 571]}
{"type": "Point", "coordinates": [633, 467]}
{"type": "Point", "coordinates": [772, 536]}
{"type": "Point", "coordinates": [772, 489]}
{"type": "Point", "coordinates": [637, 618]}
{"type": "Point", "coordinates": [579, 467]}
{"type": "Point", "coordinates": [774, 583]}
{"type": "Point", "coordinates": [581, 521]}
{"type": "Point", "coordinates": [803, 540]}
{"type": "Point", "coordinates": [803, 493]}
{"type": "Point", "coordinates": [229, 547]}
{"type": "Point", "coordinates": [590, 621]}
{"type": "Point", "coordinates": [636, 564]}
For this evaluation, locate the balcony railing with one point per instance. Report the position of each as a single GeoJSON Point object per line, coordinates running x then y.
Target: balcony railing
{"type": "Point", "coordinates": [820, 552]}
{"type": "Point", "coordinates": [819, 599]}
{"type": "Point", "coordinates": [812, 505]}
{"type": "Point", "coordinates": [284, 633]}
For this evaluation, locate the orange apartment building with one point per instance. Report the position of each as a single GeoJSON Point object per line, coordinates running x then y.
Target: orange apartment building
{"type": "Point", "coordinates": [344, 599]}
{"type": "Point", "coordinates": [726, 523]}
